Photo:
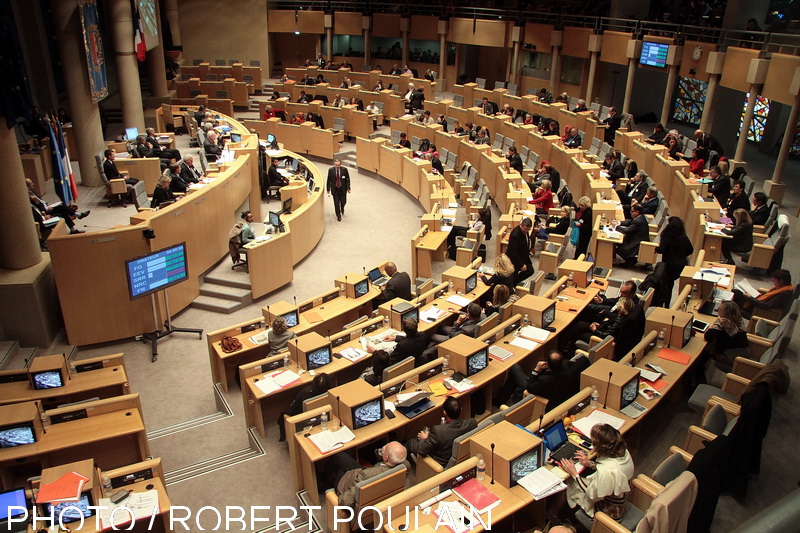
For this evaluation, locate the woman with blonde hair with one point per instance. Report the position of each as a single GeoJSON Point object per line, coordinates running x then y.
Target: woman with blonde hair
{"type": "Point", "coordinates": [543, 198]}
{"type": "Point", "coordinates": [742, 233]}
{"type": "Point", "coordinates": [726, 339]}
{"type": "Point", "coordinates": [503, 275]}
{"type": "Point", "coordinates": [583, 225]}
{"type": "Point", "coordinates": [162, 195]}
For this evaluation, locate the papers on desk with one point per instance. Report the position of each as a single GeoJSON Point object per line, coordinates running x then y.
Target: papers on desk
{"type": "Point", "coordinates": [524, 343]}
{"type": "Point", "coordinates": [141, 504]}
{"type": "Point", "coordinates": [534, 334]}
{"type": "Point", "coordinates": [259, 338]}
{"type": "Point", "coordinates": [449, 213]}
{"type": "Point", "coordinates": [455, 516]}
{"type": "Point", "coordinates": [196, 186]}
{"type": "Point", "coordinates": [460, 386]}
{"type": "Point", "coordinates": [67, 488]}
{"type": "Point", "coordinates": [611, 234]}
{"type": "Point", "coordinates": [353, 354]}
{"type": "Point", "coordinates": [474, 494]}
{"type": "Point", "coordinates": [432, 315]}
{"type": "Point", "coordinates": [585, 425]}
{"type": "Point", "coordinates": [747, 288]}
{"type": "Point", "coordinates": [328, 440]}
{"type": "Point", "coordinates": [714, 225]}
{"type": "Point", "coordinates": [273, 153]}
{"type": "Point", "coordinates": [648, 392]}
{"type": "Point", "coordinates": [276, 381]}
{"type": "Point", "coordinates": [487, 270]}
{"type": "Point", "coordinates": [542, 482]}
{"type": "Point", "coordinates": [263, 238]}
{"type": "Point", "coordinates": [286, 377]}
{"type": "Point", "coordinates": [708, 275]}
{"type": "Point", "coordinates": [649, 375]}
{"type": "Point", "coordinates": [528, 212]}
{"type": "Point", "coordinates": [459, 300]}
{"type": "Point", "coordinates": [496, 352]}
{"type": "Point", "coordinates": [378, 342]}
{"type": "Point", "coordinates": [452, 205]}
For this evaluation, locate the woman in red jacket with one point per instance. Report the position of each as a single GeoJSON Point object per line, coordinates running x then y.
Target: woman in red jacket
{"type": "Point", "coordinates": [543, 198]}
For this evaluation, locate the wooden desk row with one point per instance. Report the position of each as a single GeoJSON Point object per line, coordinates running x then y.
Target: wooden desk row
{"type": "Point", "coordinates": [236, 91]}
{"type": "Point", "coordinates": [356, 123]}
{"type": "Point", "coordinates": [237, 71]}
{"type": "Point", "coordinates": [366, 80]}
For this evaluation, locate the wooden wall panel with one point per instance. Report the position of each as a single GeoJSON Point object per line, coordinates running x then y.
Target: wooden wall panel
{"type": "Point", "coordinates": [283, 21]}
{"type": "Point", "coordinates": [347, 24]}
{"type": "Point", "coordinates": [487, 32]}
{"type": "Point", "coordinates": [576, 42]}
{"type": "Point", "coordinates": [737, 63]}
{"type": "Point", "coordinates": [779, 77]}
{"type": "Point", "coordinates": [293, 50]}
{"type": "Point", "coordinates": [615, 47]}
{"type": "Point", "coordinates": [699, 67]}
{"type": "Point", "coordinates": [539, 35]}
{"type": "Point", "coordinates": [425, 28]}
{"type": "Point", "coordinates": [386, 25]}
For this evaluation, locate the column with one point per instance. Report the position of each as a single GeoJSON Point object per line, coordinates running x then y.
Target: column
{"type": "Point", "coordinates": [130, 91]}
{"type": "Point", "coordinates": [85, 113]}
{"type": "Point", "coordinates": [440, 76]}
{"type": "Point", "coordinates": [590, 83]}
{"type": "Point", "coordinates": [671, 77]}
{"type": "Point", "coordinates": [155, 64]}
{"type": "Point", "coordinates": [318, 46]}
{"type": "Point", "coordinates": [708, 108]}
{"type": "Point", "coordinates": [555, 70]}
{"type": "Point", "coordinates": [775, 188]}
{"type": "Point", "coordinates": [171, 9]}
{"type": "Point", "coordinates": [626, 102]}
{"type": "Point", "coordinates": [404, 28]}
{"type": "Point", "coordinates": [366, 21]}
{"type": "Point", "coordinates": [19, 245]}
{"type": "Point", "coordinates": [329, 43]}
{"type": "Point", "coordinates": [746, 121]}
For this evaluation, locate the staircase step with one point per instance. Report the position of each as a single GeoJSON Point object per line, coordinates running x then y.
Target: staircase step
{"type": "Point", "coordinates": [217, 279]}
{"type": "Point", "coordinates": [217, 305]}
{"type": "Point", "coordinates": [379, 135]}
{"type": "Point", "coordinates": [225, 292]}
{"type": "Point", "coordinates": [7, 351]}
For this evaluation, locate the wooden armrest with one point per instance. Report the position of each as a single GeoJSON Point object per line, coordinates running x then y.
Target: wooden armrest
{"type": "Point", "coordinates": [643, 491]}
{"type": "Point", "coordinates": [758, 229]}
{"type": "Point", "coordinates": [734, 384]}
{"type": "Point", "coordinates": [759, 237]}
{"type": "Point", "coordinates": [695, 436]}
{"type": "Point", "coordinates": [581, 352]}
{"type": "Point", "coordinates": [648, 244]}
{"type": "Point", "coordinates": [594, 340]}
{"type": "Point", "coordinates": [731, 409]}
{"type": "Point", "coordinates": [770, 323]}
{"type": "Point", "coordinates": [427, 468]}
{"type": "Point", "coordinates": [746, 368]}
{"type": "Point", "coordinates": [686, 455]}
{"type": "Point", "coordinates": [605, 524]}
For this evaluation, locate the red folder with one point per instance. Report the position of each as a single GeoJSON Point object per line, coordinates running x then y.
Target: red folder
{"type": "Point", "coordinates": [476, 495]}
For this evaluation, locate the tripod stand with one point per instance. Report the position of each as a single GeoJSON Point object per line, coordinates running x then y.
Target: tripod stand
{"type": "Point", "coordinates": [169, 330]}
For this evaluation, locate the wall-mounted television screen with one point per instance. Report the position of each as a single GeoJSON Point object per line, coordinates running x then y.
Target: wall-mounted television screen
{"type": "Point", "coordinates": [654, 54]}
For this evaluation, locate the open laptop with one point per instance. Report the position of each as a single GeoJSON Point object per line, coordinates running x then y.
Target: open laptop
{"type": "Point", "coordinates": [377, 279]}
{"type": "Point", "coordinates": [597, 272]}
{"type": "Point", "coordinates": [415, 405]}
{"type": "Point", "coordinates": [555, 438]}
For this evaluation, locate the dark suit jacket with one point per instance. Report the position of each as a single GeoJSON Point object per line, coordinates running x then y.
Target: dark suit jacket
{"type": "Point", "coordinates": [469, 327]}
{"type": "Point", "coordinates": [742, 241]}
{"type": "Point", "coordinates": [439, 444]}
{"type": "Point", "coordinates": [519, 249]}
{"type": "Point", "coordinates": [515, 161]}
{"type": "Point", "coordinates": [275, 178]}
{"type": "Point", "coordinates": [405, 144]}
{"type": "Point", "coordinates": [110, 169]}
{"type": "Point", "coordinates": [738, 202]}
{"type": "Point", "coordinates": [636, 190]}
{"type": "Point", "coordinates": [416, 100]}
{"type": "Point", "coordinates": [345, 177]}
{"type": "Point", "coordinates": [410, 346]}
{"type": "Point", "coordinates": [398, 286]}
{"type": "Point", "coordinates": [721, 189]}
{"type": "Point", "coordinates": [545, 383]}
{"type": "Point", "coordinates": [635, 231]}
{"type": "Point", "coordinates": [627, 331]}
{"type": "Point", "coordinates": [161, 195]}
{"type": "Point", "coordinates": [212, 147]}
{"type": "Point", "coordinates": [155, 145]}
{"type": "Point", "coordinates": [613, 125]}
{"type": "Point", "coordinates": [437, 164]}
{"type": "Point", "coordinates": [616, 170]}
{"type": "Point", "coordinates": [555, 179]}
{"type": "Point", "coordinates": [650, 206]}
{"type": "Point", "coordinates": [760, 215]}
{"type": "Point", "coordinates": [574, 142]}
{"type": "Point", "coordinates": [190, 174]}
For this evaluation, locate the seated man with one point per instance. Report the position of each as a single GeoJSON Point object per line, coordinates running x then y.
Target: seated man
{"type": "Point", "coordinates": [543, 381]}
{"type": "Point", "coordinates": [483, 137]}
{"type": "Point", "coordinates": [276, 179]}
{"type": "Point", "coordinates": [436, 163]}
{"type": "Point", "coordinates": [514, 159]}
{"type": "Point", "coordinates": [634, 230]}
{"type": "Point", "coordinates": [466, 323]}
{"type": "Point", "coordinates": [602, 308]}
{"type": "Point", "coordinates": [410, 344]}
{"type": "Point", "coordinates": [581, 107]}
{"type": "Point", "coordinates": [634, 192]}
{"type": "Point", "coordinates": [46, 210]}
{"type": "Point", "coordinates": [650, 202]}
{"type": "Point", "coordinates": [189, 173]}
{"type": "Point", "coordinates": [304, 98]}
{"type": "Point", "coordinates": [486, 107]}
{"type": "Point", "coordinates": [437, 442]}
{"type": "Point", "coordinates": [158, 151]}
{"type": "Point", "coordinates": [398, 286]}
{"type": "Point", "coordinates": [426, 119]}
{"type": "Point", "coordinates": [347, 472]}
{"type": "Point", "coordinates": [176, 184]}
{"type": "Point", "coordinates": [111, 171]}
{"type": "Point", "coordinates": [200, 115]}
{"type": "Point", "coordinates": [212, 146]}
{"type": "Point", "coordinates": [760, 211]}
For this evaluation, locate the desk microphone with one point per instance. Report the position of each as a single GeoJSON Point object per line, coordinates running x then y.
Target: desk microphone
{"type": "Point", "coordinates": [669, 338]}
{"type": "Point", "coordinates": [541, 418]}
{"type": "Point", "coordinates": [337, 409]}
{"type": "Point", "coordinates": [492, 446]}
{"type": "Point", "coordinates": [608, 387]}
{"type": "Point", "coordinates": [365, 270]}
{"type": "Point", "coordinates": [295, 300]}
{"type": "Point", "coordinates": [42, 416]}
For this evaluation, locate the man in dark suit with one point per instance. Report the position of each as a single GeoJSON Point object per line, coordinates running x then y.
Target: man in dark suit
{"type": "Point", "coordinates": [613, 121]}
{"type": "Point", "coordinates": [211, 146]}
{"type": "Point", "coordinates": [158, 150]}
{"type": "Point", "coordinates": [738, 199]}
{"type": "Point", "coordinates": [514, 159]}
{"type": "Point", "coordinates": [190, 173]}
{"type": "Point", "coordinates": [338, 186]}
{"type": "Point", "coordinates": [346, 472]}
{"type": "Point", "coordinates": [46, 210]}
{"type": "Point", "coordinates": [200, 115]}
{"type": "Point", "coordinates": [437, 442]}
{"type": "Point", "coordinates": [650, 202]}
{"type": "Point", "coordinates": [466, 324]}
{"type": "Point", "coordinates": [436, 163]}
{"type": "Point", "coordinates": [634, 190]}
{"type": "Point", "coordinates": [720, 186]}
{"type": "Point", "coordinates": [635, 230]}
{"type": "Point", "coordinates": [542, 381]}
{"type": "Point", "coordinates": [411, 343]}
{"type": "Point", "coordinates": [417, 100]}
{"type": "Point", "coordinates": [276, 179]}
{"type": "Point", "coordinates": [112, 172]}
{"type": "Point", "coordinates": [708, 147]}
{"type": "Point", "coordinates": [398, 286]}
{"type": "Point", "coordinates": [602, 308]}
{"type": "Point", "coordinates": [760, 212]}
{"type": "Point", "coordinates": [519, 250]}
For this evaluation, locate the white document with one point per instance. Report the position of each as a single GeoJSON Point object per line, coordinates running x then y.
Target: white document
{"type": "Point", "coordinates": [286, 377]}
{"type": "Point", "coordinates": [453, 516]}
{"type": "Point", "coordinates": [707, 276]}
{"type": "Point", "coordinates": [528, 212]}
{"type": "Point", "coordinates": [747, 288]}
{"type": "Point", "coordinates": [649, 375]}
{"type": "Point", "coordinates": [461, 386]}
{"type": "Point", "coordinates": [446, 229]}
{"type": "Point", "coordinates": [525, 344]}
{"type": "Point", "coordinates": [142, 504]}
{"type": "Point", "coordinates": [353, 354]}
{"type": "Point", "coordinates": [267, 385]}
{"type": "Point", "coordinates": [541, 481]}
{"type": "Point", "coordinates": [448, 213]}
{"type": "Point", "coordinates": [500, 353]}
{"type": "Point", "coordinates": [263, 238]}
{"type": "Point", "coordinates": [330, 440]}
{"type": "Point", "coordinates": [533, 333]}
{"type": "Point", "coordinates": [585, 425]}
{"type": "Point", "coordinates": [432, 315]}
{"type": "Point", "coordinates": [259, 338]}
{"type": "Point", "coordinates": [459, 300]}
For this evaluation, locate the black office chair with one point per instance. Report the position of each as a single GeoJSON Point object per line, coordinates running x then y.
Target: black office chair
{"type": "Point", "coordinates": [235, 249]}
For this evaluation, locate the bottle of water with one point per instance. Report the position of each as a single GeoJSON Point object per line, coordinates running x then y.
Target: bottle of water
{"type": "Point", "coordinates": [481, 474]}
{"type": "Point", "coordinates": [445, 365]}
{"type": "Point", "coordinates": [324, 420]}
{"type": "Point", "coordinates": [525, 320]}
{"type": "Point", "coordinates": [341, 290]}
{"type": "Point", "coordinates": [286, 360]}
{"type": "Point", "coordinates": [450, 286]}
{"type": "Point", "coordinates": [106, 482]}
{"type": "Point", "coordinates": [694, 294]}
{"type": "Point", "coordinates": [45, 419]}
{"type": "Point", "coordinates": [595, 395]}
{"type": "Point", "coordinates": [661, 336]}
{"type": "Point", "coordinates": [571, 280]}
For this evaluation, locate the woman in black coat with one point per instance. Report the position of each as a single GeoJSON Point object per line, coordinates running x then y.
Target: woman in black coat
{"type": "Point", "coordinates": [742, 233]}
{"type": "Point", "coordinates": [675, 249]}
{"type": "Point", "coordinates": [583, 223]}
{"type": "Point", "coordinates": [319, 385]}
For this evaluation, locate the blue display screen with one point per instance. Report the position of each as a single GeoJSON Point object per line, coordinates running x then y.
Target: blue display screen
{"type": "Point", "coordinates": [156, 271]}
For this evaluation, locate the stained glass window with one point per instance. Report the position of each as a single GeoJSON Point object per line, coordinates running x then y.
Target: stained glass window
{"type": "Point", "coordinates": [760, 113]}
{"type": "Point", "coordinates": [689, 101]}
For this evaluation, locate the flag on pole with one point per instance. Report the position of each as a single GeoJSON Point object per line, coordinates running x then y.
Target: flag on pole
{"type": "Point", "coordinates": [139, 46]}
{"type": "Point", "coordinates": [62, 139]}
{"type": "Point", "coordinates": [61, 178]}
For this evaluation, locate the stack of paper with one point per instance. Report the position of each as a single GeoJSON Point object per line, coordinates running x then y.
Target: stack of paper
{"type": "Point", "coordinates": [542, 482]}
{"type": "Point", "coordinates": [460, 386]}
{"type": "Point", "coordinates": [649, 375]}
{"type": "Point", "coordinates": [477, 496]}
{"type": "Point", "coordinates": [328, 440]}
{"type": "Point", "coordinates": [747, 288]}
{"type": "Point", "coordinates": [448, 212]}
{"type": "Point", "coordinates": [353, 354]}
{"type": "Point", "coordinates": [525, 344]}
{"type": "Point", "coordinates": [459, 300]}
{"type": "Point", "coordinates": [276, 381]}
{"type": "Point", "coordinates": [455, 517]}
{"type": "Point", "coordinates": [141, 504]}
{"type": "Point", "coordinates": [67, 488]}
{"type": "Point", "coordinates": [534, 334]}
{"type": "Point", "coordinates": [286, 378]}
{"type": "Point", "coordinates": [432, 315]}
{"type": "Point", "coordinates": [585, 425]}
{"type": "Point", "coordinates": [259, 338]}
{"type": "Point", "coordinates": [499, 353]}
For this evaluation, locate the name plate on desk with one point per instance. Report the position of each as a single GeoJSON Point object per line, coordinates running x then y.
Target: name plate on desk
{"type": "Point", "coordinates": [130, 479]}
{"type": "Point", "coordinates": [88, 367]}
{"type": "Point", "coordinates": [13, 378]}
{"type": "Point", "coordinates": [251, 327]}
{"type": "Point", "coordinates": [458, 480]}
{"type": "Point", "coordinates": [329, 297]}
{"type": "Point", "coordinates": [69, 417]}
{"type": "Point", "coordinates": [305, 307]}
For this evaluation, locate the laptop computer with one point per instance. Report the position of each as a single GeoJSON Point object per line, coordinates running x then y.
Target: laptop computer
{"type": "Point", "coordinates": [555, 438]}
{"type": "Point", "coordinates": [415, 405]}
{"type": "Point", "coordinates": [377, 278]}
{"type": "Point", "coordinates": [598, 272]}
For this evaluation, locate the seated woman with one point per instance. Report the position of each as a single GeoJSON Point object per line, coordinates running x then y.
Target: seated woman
{"type": "Point", "coordinates": [381, 359]}
{"type": "Point", "coordinates": [696, 164]}
{"type": "Point", "coordinates": [503, 275]}
{"type": "Point", "coordinates": [378, 87]}
{"type": "Point", "coordinates": [543, 198]}
{"type": "Point", "coordinates": [725, 339]}
{"type": "Point", "coordinates": [607, 488]}
{"type": "Point", "coordinates": [247, 235]}
{"type": "Point", "coordinates": [319, 385]}
{"type": "Point", "coordinates": [279, 335]}
{"type": "Point", "coordinates": [162, 195]}
{"type": "Point", "coordinates": [556, 224]}
{"type": "Point", "coordinates": [657, 137]}
{"type": "Point", "coordinates": [338, 101]}
{"type": "Point", "coordinates": [500, 296]}
{"type": "Point", "coordinates": [457, 127]}
{"type": "Point", "coordinates": [627, 328]}
{"type": "Point", "coordinates": [742, 233]}
{"type": "Point", "coordinates": [673, 148]}
{"type": "Point", "coordinates": [484, 221]}
{"type": "Point", "coordinates": [777, 299]}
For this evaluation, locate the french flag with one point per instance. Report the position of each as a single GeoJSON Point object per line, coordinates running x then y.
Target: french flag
{"type": "Point", "coordinates": [138, 37]}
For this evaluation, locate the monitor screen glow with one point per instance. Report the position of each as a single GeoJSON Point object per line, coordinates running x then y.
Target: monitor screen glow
{"type": "Point", "coordinates": [367, 413]}
{"type": "Point", "coordinates": [472, 282]}
{"type": "Point", "coordinates": [12, 498]}
{"type": "Point", "coordinates": [362, 288]}
{"type": "Point", "coordinates": [67, 512]}
{"type": "Point", "coordinates": [274, 219]}
{"type": "Point", "coordinates": [18, 435]}
{"type": "Point", "coordinates": [156, 271]}
{"type": "Point", "coordinates": [50, 379]}
{"type": "Point", "coordinates": [477, 361]}
{"type": "Point", "coordinates": [524, 464]}
{"type": "Point", "coordinates": [295, 165]}
{"type": "Point", "coordinates": [549, 315]}
{"type": "Point", "coordinates": [319, 357]}
{"type": "Point", "coordinates": [270, 138]}
{"type": "Point", "coordinates": [291, 318]}
{"type": "Point", "coordinates": [131, 133]}
{"type": "Point", "coordinates": [374, 274]}
{"type": "Point", "coordinates": [413, 313]}
{"type": "Point", "coordinates": [654, 54]}
{"type": "Point", "coordinates": [629, 392]}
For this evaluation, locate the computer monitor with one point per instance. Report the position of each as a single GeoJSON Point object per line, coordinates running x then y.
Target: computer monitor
{"type": "Point", "coordinates": [49, 379]}
{"type": "Point", "coordinates": [477, 361]}
{"type": "Point", "coordinates": [131, 133]}
{"type": "Point", "coordinates": [549, 315]}
{"type": "Point", "coordinates": [629, 392]}
{"type": "Point", "coordinates": [67, 512]}
{"type": "Point", "coordinates": [375, 274]}
{"type": "Point", "coordinates": [275, 219]}
{"type": "Point", "coordinates": [12, 498]}
{"type": "Point", "coordinates": [295, 166]}
{"type": "Point", "coordinates": [654, 54]}
{"type": "Point", "coordinates": [286, 207]}
{"type": "Point", "coordinates": [554, 435]}
{"type": "Point", "coordinates": [236, 138]}
{"type": "Point", "coordinates": [471, 283]}
{"type": "Point", "coordinates": [310, 184]}
{"type": "Point", "coordinates": [291, 318]}
{"type": "Point", "coordinates": [17, 435]}
{"type": "Point", "coordinates": [270, 138]}
{"type": "Point", "coordinates": [361, 288]}
{"type": "Point", "coordinates": [367, 413]}
{"type": "Point", "coordinates": [524, 464]}
{"type": "Point", "coordinates": [319, 357]}
{"type": "Point", "coordinates": [411, 313]}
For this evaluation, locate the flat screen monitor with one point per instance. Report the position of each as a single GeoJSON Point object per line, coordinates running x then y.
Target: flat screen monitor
{"type": "Point", "coordinates": [275, 218]}
{"type": "Point", "coordinates": [131, 133]}
{"type": "Point", "coordinates": [629, 392]}
{"type": "Point", "coordinates": [12, 498]}
{"type": "Point", "coordinates": [270, 138]}
{"type": "Point", "coordinates": [156, 271]}
{"type": "Point", "coordinates": [471, 282]}
{"type": "Point", "coordinates": [291, 318]}
{"type": "Point", "coordinates": [67, 512]}
{"type": "Point", "coordinates": [319, 357]}
{"type": "Point", "coordinates": [362, 288]}
{"type": "Point", "coordinates": [49, 379]}
{"type": "Point", "coordinates": [477, 361]}
{"type": "Point", "coordinates": [375, 274]}
{"type": "Point", "coordinates": [286, 207]}
{"type": "Point", "coordinates": [654, 54]}
{"type": "Point", "coordinates": [525, 464]}
{"type": "Point", "coordinates": [549, 315]}
{"type": "Point", "coordinates": [367, 413]}
{"type": "Point", "coordinates": [310, 184]}
{"type": "Point", "coordinates": [411, 313]}
{"type": "Point", "coordinates": [236, 138]}
{"type": "Point", "coordinates": [295, 165]}
{"type": "Point", "coordinates": [17, 435]}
